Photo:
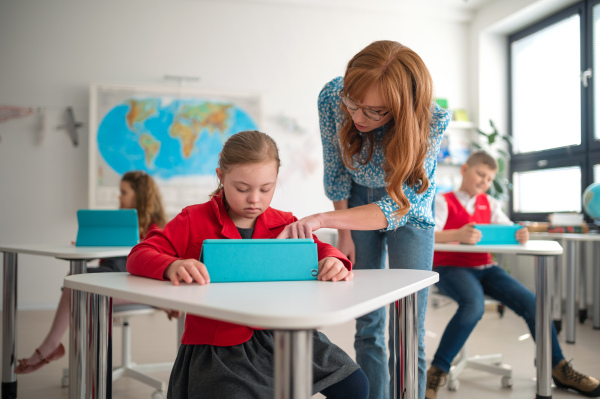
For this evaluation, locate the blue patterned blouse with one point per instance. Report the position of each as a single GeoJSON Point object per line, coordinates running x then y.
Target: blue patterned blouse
{"type": "Point", "coordinates": [338, 178]}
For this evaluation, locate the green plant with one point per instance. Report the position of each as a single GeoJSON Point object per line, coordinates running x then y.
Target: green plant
{"type": "Point", "coordinates": [501, 186]}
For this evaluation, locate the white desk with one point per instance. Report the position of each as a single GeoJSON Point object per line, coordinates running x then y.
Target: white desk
{"type": "Point", "coordinates": [78, 257]}
{"type": "Point", "coordinates": [541, 251]}
{"type": "Point", "coordinates": [292, 308]}
{"type": "Point", "coordinates": [573, 252]}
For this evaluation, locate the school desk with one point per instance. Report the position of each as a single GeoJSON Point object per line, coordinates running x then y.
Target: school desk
{"type": "Point", "coordinates": [292, 308]}
{"type": "Point", "coordinates": [541, 251]}
{"type": "Point", "coordinates": [77, 257]}
{"type": "Point", "coordinates": [575, 256]}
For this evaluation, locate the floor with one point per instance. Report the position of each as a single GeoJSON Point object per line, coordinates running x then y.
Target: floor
{"type": "Point", "coordinates": [154, 341]}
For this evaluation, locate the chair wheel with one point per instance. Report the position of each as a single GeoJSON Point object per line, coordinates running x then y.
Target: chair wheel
{"type": "Point", "coordinates": [158, 395]}
{"type": "Point", "coordinates": [506, 382]}
{"type": "Point", "coordinates": [501, 309]}
{"type": "Point", "coordinates": [582, 315]}
{"type": "Point", "coordinates": [453, 385]}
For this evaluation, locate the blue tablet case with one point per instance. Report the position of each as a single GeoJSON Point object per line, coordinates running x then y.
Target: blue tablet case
{"type": "Point", "coordinates": [107, 228]}
{"type": "Point", "coordinates": [239, 260]}
{"type": "Point", "coordinates": [497, 233]}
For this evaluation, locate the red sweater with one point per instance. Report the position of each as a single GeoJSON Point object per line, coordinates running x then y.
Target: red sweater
{"type": "Point", "coordinates": [457, 218]}
{"type": "Point", "coordinates": [182, 238]}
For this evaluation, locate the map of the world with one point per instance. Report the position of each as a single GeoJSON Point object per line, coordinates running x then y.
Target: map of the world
{"type": "Point", "coordinates": [168, 139]}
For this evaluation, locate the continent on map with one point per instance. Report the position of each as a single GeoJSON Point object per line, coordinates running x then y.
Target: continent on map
{"type": "Point", "coordinates": [191, 119]}
{"type": "Point", "coordinates": [139, 111]}
{"type": "Point", "coordinates": [151, 146]}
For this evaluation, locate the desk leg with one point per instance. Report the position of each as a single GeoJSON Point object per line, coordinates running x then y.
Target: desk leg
{"type": "Point", "coordinates": [77, 337]}
{"type": "Point", "coordinates": [570, 317]}
{"type": "Point", "coordinates": [293, 364]}
{"type": "Point", "coordinates": [582, 300]}
{"type": "Point", "coordinates": [98, 315]}
{"type": "Point", "coordinates": [557, 293]}
{"type": "Point", "coordinates": [9, 319]}
{"type": "Point", "coordinates": [543, 334]}
{"type": "Point", "coordinates": [405, 348]}
{"type": "Point", "coordinates": [596, 285]}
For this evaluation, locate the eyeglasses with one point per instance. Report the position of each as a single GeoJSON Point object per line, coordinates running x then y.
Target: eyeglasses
{"type": "Point", "coordinates": [352, 106]}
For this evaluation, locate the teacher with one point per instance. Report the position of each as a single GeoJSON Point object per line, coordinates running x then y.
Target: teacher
{"type": "Point", "coordinates": [381, 132]}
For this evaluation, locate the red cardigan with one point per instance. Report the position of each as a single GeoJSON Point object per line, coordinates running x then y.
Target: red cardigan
{"type": "Point", "coordinates": [457, 218]}
{"type": "Point", "coordinates": [182, 238]}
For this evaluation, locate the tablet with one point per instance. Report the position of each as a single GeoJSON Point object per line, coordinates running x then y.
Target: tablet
{"type": "Point", "coordinates": [245, 260]}
{"type": "Point", "coordinates": [498, 233]}
{"type": "Point", "coordinates": [107, 228]}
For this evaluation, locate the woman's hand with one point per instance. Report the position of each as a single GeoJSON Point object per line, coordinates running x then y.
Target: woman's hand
{"type": "Point", "coordinates": [346, 245]}
{"type": "Point", "coordinates": [468, 234]}
{"type": "Point", "coordinates": [332, 269]}
{"type": "Point", "coordinates": [187, 270]}
{"type": "Point", "coordinates": [303, 228]}
{"type": "Point", "coordinates": [522, 235]}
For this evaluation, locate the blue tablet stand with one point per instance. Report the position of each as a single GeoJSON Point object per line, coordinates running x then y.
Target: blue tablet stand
{"type": "Point", "coordinates": [497, 233]}
{"type": "Point", "coordinates": [107, 228]}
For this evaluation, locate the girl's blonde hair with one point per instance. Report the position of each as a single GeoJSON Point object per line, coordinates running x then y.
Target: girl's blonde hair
{"type": "Point", "coordinates": [148, 201]}
{"type": "Point", "coordinates": [247, 147]}
{"type": "Point", "coordinates": [407, 90]}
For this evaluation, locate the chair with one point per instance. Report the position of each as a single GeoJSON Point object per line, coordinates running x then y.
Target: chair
{"type": "Point", "coordinates": [489, 363]}
{"type": "Point", "coordinates": [128, 368]}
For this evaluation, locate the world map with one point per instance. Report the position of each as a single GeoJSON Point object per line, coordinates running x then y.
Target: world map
{"type": "Point", "coordinates": [168, 139]}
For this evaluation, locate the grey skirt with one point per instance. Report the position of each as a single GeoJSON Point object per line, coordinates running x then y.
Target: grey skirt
{"type": "Point", "coordinates": [245, 371]}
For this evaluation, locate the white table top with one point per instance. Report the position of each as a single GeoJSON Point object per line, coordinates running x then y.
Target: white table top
{"type": "Point", "coordinates": [66, 251]}
{"type": "Point", "coordinates": [565, 236]}
{"type": "Point", "coordinates": [540, 248]}
{"type": "Point", "coordinates": [276, 305]}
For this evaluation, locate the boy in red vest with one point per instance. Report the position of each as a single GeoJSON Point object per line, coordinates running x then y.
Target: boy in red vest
{"type": "Point", "coordinates": [467, 277]}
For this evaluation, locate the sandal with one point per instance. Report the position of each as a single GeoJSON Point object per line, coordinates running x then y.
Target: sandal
{"type": "Point", "coordinates": [25, 368]}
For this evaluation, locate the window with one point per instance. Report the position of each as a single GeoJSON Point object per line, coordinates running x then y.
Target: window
{"type": "Point", "coordinates": [556, 148]}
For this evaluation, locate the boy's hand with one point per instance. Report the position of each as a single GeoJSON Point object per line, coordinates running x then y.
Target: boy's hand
{"type": "Point", "coordinates": [522, 235]}
{"type": "Point", "coordinates": [332, 269]}
{"type": "Point", "coordinates": [468, 234]}
{"type": "Point", "coordinates": [188, 270]}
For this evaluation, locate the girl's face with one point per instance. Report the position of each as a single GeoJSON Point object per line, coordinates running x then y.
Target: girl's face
{"type": "Point", "coordinates": [249, 189]}
{"type": "Point", "coordinates": [126, 196]}
{"type": "Point", "coordinates": [374, 101]}
{"type": "Point", "coordinates": [477, 179]}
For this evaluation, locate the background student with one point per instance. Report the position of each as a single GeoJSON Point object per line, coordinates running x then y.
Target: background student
{"type": "Point", "coordinates": [467, 277]}
{"type": "Point", "coordinates": [381, 132]}
{"type": "Point", "coordinates": [223, 360]}
{"type": "Point", "coordinates": [137, 191]}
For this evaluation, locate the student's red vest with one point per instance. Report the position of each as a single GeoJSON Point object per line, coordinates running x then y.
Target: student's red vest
{"type": "Point", "coordinates": [457, 218]}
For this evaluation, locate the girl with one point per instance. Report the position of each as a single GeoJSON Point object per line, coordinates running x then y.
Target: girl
{"type": "Point", "coordinates": [224, 360]}
{"type": "Point", "coordinates": [137, 191]}
{"type": "Point", "coordinates": [381, 132]}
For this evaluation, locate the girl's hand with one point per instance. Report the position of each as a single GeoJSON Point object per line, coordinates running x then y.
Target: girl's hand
{"type": "Point", "coordinates": [188, 270]}
{"type": "Point", "coordinates": [346, 245]}
{"type": "Point", "coordinates": [332, 269]}
{"type": "Point", "coordinates": [303, 228]}
{"type": "Point", "coordinates": [522, 235]}
{"type": "Point", "coordinates": [468, 234]}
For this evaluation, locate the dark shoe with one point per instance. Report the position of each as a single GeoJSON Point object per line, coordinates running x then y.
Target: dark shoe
{"type": "Point", "coordinates": [435, 379]}
{"type": "Point", "coordinates": [25, 367]}
{"type": "Point", "coordinates": [566, 378]}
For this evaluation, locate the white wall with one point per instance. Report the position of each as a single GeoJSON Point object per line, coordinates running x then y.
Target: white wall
{"type": "Point", "coordinates": [51, 50]}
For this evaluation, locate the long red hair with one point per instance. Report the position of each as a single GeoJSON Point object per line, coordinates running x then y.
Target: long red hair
{"type": "Point", "coordinates": [406, 88]}
{"type": "Point", "coordinates": [148, 200]}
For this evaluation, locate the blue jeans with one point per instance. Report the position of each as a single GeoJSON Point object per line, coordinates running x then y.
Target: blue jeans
{"type": "Point", "coordinates": [408, 248]}
{"type": "Point", "coordinates": [467, 286]}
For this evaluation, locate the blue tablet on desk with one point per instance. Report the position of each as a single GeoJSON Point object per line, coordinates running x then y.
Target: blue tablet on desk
{"type": "Point", "coordinates": [498, 233]}
{"type": "Point", "coordinates": [107, 228]}
{"type": "Point", "coordinates": [239, 260]}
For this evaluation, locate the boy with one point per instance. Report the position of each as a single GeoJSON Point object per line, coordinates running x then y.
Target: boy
{"type": "Point", "coordinates": [467, 277]}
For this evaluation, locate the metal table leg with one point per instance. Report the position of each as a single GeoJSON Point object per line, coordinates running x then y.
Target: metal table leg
{"type": "Point", "coordinates": [405, 349]}
{"type": "Point", "coordinates": [570, 311]}
{"type": "Point", "coordinates": [77, 337]}
{"type": "Point", "coordinates": [596, 285]}
{"type": "Point", "coordinates": [9, 319]}
{"type": "Point", "coordinates": [557, 292]}
{"type": "Point", "coordinates": [582, 293]}
{"type": "Point", "coordinates": [542, 329]}
{"type": "Point", "coordinates": [293, 364]}
{"type": "Point", "coordinates": [98, 314]}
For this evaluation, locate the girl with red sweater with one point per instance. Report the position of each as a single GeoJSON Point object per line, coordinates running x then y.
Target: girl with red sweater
{"type": "Point", "coordinates": [225, 360]}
